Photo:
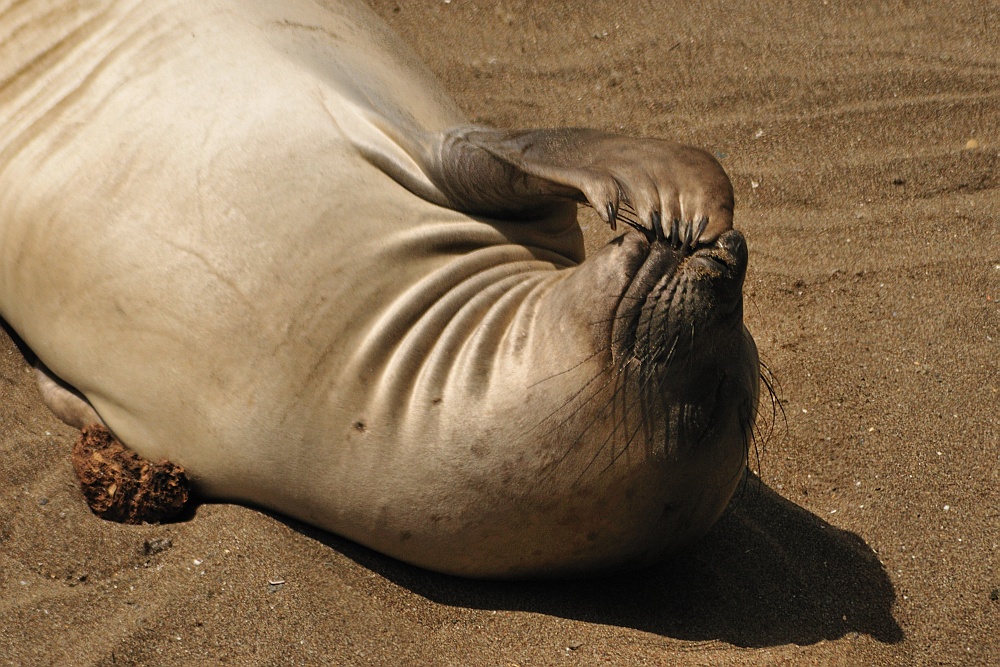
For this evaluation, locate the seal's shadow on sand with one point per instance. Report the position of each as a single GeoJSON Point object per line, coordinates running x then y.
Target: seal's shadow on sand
{"type": "Point", "coordinates": [768, 573]}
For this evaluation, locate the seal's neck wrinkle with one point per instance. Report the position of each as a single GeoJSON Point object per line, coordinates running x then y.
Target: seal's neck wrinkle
{"type": "Point", "coordinates": [445, 330]}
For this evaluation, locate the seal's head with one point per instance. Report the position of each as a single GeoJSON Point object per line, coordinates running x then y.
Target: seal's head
{"type": "Point", "coordinates": [685, 359]}
{"type": "Point", "coordinates": [679, 341]}
{"type": "Point", "coordinates": [665, 441]}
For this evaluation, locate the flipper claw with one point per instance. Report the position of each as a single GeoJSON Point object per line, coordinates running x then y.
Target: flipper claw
{"type": "Point", "coordinates": [702, 224]}
{"type": "Point", "coordinates": [658, 226]}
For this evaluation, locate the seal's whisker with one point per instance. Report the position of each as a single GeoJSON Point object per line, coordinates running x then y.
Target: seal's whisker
{"type": "Point", "coordinates": [758, 435]}
{"type": "Point", "coordinates": [573, 398]}
{"type": "Point", "coordinates": [645, 422]}
{"type": "Point", "coordinates": [656, 389]}
{"type": "Point", "coordinates": [644, 398]}
{"type": "Point", "coordinates": [597, 415]}
{"type": "Point", "coordinates": [614, 457]}
{"type": "Point", "coordinates": [567, 370]}
{"type": "Point", "coordinates": [586, 359]}
{"type": "Point", "coordinates": [617, 316]}
{"type": "Point", "coordinates": [755, 438]}
{"type": "Point", "coordinates": [768, 379]}
{"type": "Point", "coordinates": [612, 320]}
{"type": "Point", "coordinates": [624, 379]}
{"type": "Point", "coordinates": [615, 341]}
{"type": "Point", "coordinates": [603, 370]}
{"type": "Point", "coordinates": [624, 213]}
{"type": "Point", "coordinates": [627, 206]}
{"type": "Point", "coordinates": [604, 443]}
{"type": "Point", "coordinates": [620, 390]}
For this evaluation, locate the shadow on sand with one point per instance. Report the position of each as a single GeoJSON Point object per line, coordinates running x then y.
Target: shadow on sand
{"type": "Point", "coordinates": [769, 573]}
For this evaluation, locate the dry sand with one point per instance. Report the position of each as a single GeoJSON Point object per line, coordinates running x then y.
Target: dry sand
{"type": "Point", "coordinates": [872, 293]}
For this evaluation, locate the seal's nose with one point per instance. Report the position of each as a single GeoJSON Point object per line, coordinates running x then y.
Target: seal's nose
{"type": "Point", "coordinates": [724, 259]}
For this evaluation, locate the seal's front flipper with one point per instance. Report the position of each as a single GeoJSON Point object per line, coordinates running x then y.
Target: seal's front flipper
{"type": "Point", "coordinates": [672, 191]}
{"type": "Point", "coordinates": [119, 485]}
{"type": "Point", "coordinates": [63, 400]}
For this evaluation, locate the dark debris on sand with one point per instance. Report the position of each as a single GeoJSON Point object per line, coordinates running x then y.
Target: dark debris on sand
{"type": "Point", "coordinates": [119, 485]}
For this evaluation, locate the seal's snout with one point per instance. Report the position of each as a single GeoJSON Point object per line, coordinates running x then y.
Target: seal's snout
{"type": "Point", "coordinates": [715, 273]}
{"type": "Point", "coordinates": [726, 258]}
{"type": "Point", "coordinates": [684, 293]}
{"type": "Point", "coordinates": [718, 265]}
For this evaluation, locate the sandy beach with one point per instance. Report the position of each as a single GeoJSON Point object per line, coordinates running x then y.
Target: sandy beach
{"type": "Point", "coordinates": [863, 141]}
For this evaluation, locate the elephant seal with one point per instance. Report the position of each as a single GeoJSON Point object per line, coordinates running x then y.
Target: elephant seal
{"type": "Point", "coordinates": [258, 240]}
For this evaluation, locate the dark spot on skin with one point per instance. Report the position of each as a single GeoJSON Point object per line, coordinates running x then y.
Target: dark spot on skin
{"type": "Point", "coordinates": [592, 536]}
{"type": "Point", "coordinates": [360, 427]}
{"type": "Point", "coordinates": [405, 535]}
{"type": "Point", "coordinates": [435, 518]}
{"type": "Point", "coordinates": [436, 401]}
{"type": "Point", "coordinates": [667, 509]}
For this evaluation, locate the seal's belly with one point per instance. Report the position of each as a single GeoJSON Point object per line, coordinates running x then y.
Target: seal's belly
{"type": "Point", "coordinates": [192, 238]}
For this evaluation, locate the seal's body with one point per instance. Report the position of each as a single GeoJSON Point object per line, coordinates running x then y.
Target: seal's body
{"type": "Point", "coordinates": [258, 240]}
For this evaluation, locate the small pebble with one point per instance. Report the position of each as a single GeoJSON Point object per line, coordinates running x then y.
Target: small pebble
{"type": "Point", "coordinates": [156, 545]}
{"type": "Point", "coordinates": [971, 145]}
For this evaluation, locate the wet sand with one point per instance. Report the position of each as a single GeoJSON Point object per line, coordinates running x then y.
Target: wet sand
{"type": "Point", "coordinates": [862, 139]}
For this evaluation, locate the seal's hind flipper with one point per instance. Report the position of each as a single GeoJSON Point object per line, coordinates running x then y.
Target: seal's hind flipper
{"type": "Point", "coordinates": [64, 401]}
{"type": "Point", "coordinates": [118, 484]}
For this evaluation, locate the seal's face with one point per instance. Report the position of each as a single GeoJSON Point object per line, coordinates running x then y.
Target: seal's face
{"type": "Point", "coordinates": [681, 293]}
{"type": "Point", "coordinates": [645, 455]}
{"type": "Point", "coordinates": [685, 358]}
